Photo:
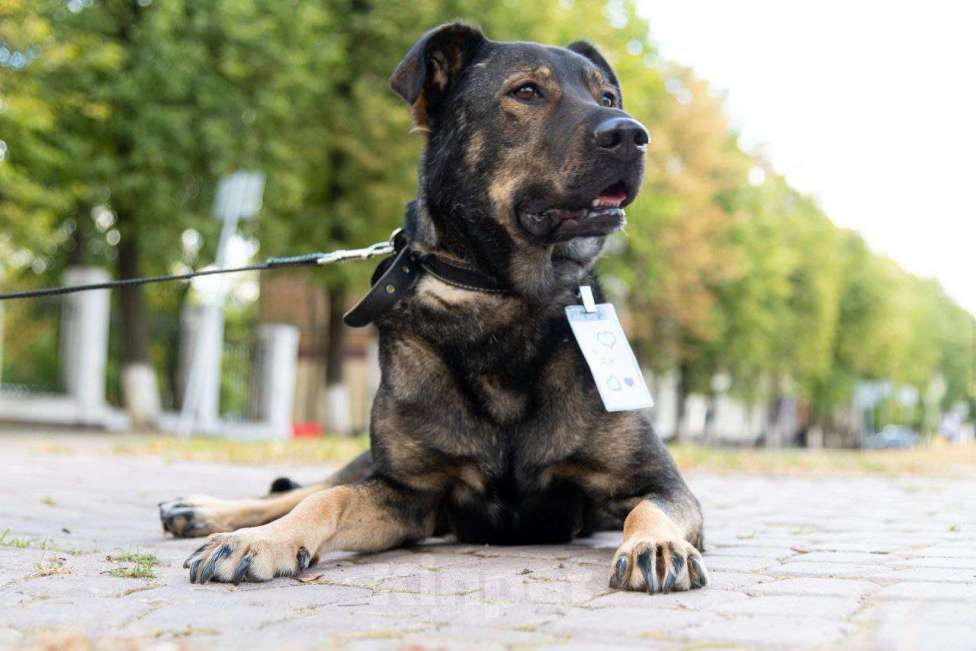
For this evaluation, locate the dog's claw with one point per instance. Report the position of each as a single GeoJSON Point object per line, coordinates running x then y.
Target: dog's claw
{"type": "Point", "coordinates": [196, 552]}
{"type": "Point", "coordinates": [619, 573]}
{"type": "Point", "coordinates": [677, 564]}
{"type": "Point", "coordinates": [697, 573]}
{"type": "Point", "coordinates": [211, 565]}
{"type": "Point", "coordinates": [646, 565]}
{"type": "Point", "coordinates": [195, 569]}
{"type": "Point", "coordinates": [669, 580]}
{"type": "Point", "coordinates": [304, 559]}
{"type": "Point", "coordinates": [242, 569]}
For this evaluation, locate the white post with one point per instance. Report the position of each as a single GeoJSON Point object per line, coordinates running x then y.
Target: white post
{"type": "Point", "coordinates": [1, 345]}
{"type": "Point", "coordinates": [275, 377]}
{"type": "Point", "coordinates": [202, 336]}
{"type": "Point", "coordinates": [84, 340]}
{"type": "Point", "coordinates": [238, 197]}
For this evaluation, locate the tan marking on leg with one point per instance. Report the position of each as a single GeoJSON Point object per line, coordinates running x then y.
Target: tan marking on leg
{"type": "Point", "coordinates": [201, 515]}
{"type": "Point", "coordinates": [649, 520]}
{"type": "Point", "coordinates": [353, 517]}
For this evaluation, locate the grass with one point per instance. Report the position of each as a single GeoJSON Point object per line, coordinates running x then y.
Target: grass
{"type": "Point", "coordinates": [935, 459]}
{"type": "Point", "coordinates": [51, 567]}
{"type": "Point", "coordinates": [331, 449]}
{"type": "Point", "coordinates": [6, 540]}
{"type": "Point", "coordinates": [16, 543]}
{"type": "Point", "coordinates": [136, 565]}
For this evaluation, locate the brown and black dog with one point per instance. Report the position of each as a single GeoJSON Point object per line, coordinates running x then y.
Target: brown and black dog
{"type": "Point", "coordinates": [487, 424]}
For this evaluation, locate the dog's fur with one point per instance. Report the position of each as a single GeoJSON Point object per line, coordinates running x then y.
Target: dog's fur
{"type": "Point", "coordinates": [487, 424]}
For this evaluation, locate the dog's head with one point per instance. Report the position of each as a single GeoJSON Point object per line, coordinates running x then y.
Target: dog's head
{"type": "Point", "coordinates": [530, 156]}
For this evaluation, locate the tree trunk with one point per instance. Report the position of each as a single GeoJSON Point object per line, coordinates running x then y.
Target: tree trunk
{"type": "Point", "coordinates": [139, 391]}
{"type": "Point", "coordinates": [775, 436]}
{"type": "Point", "coordinates": [77, 256]}
{"type": "Point", "coordinates": [337, 394]}
{"type": "Point", "coordinates": [681, 412]}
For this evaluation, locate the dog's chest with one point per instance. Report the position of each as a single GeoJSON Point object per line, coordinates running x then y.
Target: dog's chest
{"type": "Point", "coordinates": [511, 510]}
{"type": "Point", "coordinates": [490, 404]}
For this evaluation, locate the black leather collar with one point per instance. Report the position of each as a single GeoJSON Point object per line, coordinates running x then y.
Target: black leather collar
{"type": "Point", "coordinates": [394, 277]}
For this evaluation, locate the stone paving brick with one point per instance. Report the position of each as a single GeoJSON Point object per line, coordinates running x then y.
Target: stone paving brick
{"type": "Point", "coordinates": [791, 605]}
{"type": "Point", "coordinates": [740, 581]}
{"type": "Point", "coordinates": [836, 570]}
{"type": "Point", "coordinates": [687, 600]}
{"type": "Point", "coordinates": [634, 622]}
{"type": "Point", "coordinates": [919, 591]}
{"type": "Point", "coordinates": [816, 586]}
{"type": "Point", "coordinates": [751, 552]}
{"type": "Point", "coordinates": [967, 550]}
{"type": "Point", "coordinates": [911, 625]}
{"type": "Point", "coordinates": [857, 558]}
{"type": "Point", "coordinates": [739, 563]}
{"type": "Point", "coordinates": [928, 574]}
{"type": "Point", "coordinates": [929, 561]}
{"type": "Point", "coordinates": [794, 562]}
{"type": "Point", "coordinates": [771, 631]}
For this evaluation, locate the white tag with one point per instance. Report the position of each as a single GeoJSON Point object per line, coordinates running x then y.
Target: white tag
{"type": "Point", "coordinates": [615, 370]}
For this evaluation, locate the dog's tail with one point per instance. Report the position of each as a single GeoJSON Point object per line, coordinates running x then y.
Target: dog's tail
{"type": "Point", "coordinates": [283, 485]}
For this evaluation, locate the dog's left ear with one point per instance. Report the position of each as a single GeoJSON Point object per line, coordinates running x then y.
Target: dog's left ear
{"type": "Point", "coordinates": [587, 50]}
{"type": "Point", "coordinates": [435, 62]}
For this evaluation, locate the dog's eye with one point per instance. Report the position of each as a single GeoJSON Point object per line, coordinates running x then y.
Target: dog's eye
{"type": "Point", "coordinates": [527, 92]}
{"type": "Point", "coordinates": [609, 100]}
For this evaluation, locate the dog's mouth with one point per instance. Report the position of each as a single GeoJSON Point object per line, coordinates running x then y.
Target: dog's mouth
{"type": "Point", "coordinates": [599, 215]}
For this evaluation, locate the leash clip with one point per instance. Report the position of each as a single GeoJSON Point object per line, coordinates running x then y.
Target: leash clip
{"type": "Point", "coordinates": [586, 294]}
{"type": "Point", "coordinates": [365, 253]}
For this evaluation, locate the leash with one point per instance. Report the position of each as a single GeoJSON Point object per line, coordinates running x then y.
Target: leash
{"type": "Point", "coordinates": [306, 260]}
{"type": "Point", "coordinates": [391, 279]}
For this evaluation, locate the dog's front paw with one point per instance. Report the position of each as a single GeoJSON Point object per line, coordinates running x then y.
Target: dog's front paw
{"type": "Point", "coordinates": [256, 554]}
{"type": "Point", "coordinates": [657, 566]}
{"type": "Point", "coordinates": [198, 515]}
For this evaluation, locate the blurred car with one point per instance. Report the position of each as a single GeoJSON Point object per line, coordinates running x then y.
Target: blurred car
{"type": "Point", "coordinates": [891, 436]}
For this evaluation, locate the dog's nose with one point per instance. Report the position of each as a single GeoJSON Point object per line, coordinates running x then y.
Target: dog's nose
{"type": "Point", "coordinates": [624, 136]}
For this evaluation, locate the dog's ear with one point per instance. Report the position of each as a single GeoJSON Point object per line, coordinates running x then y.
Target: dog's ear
{"type": "Point", "coordinates": [587, 50]}
{"type": "Point", "coordinates": [434, 62]}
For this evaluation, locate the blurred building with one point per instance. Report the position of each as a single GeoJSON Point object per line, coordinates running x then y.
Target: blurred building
{"type": "Point", "coordinates": [291, 297]}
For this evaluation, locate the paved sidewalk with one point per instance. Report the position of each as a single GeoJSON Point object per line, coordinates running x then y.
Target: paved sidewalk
{"type": "Point", "coordinates": [794, 562]}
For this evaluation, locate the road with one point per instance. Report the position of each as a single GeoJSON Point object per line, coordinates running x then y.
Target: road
{"type": "Point", "coordinates": [795, 562]}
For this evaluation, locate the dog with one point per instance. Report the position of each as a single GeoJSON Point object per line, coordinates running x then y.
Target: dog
{"type": "Point", "coordinates": [487, 424]}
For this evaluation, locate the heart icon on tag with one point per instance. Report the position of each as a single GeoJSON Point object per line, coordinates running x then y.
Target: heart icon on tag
{"type": "Point", "coordinates": [606, 338]}
{"type": "Point", "coordinates": [629, 381]}
{"type": "Point", "coordinates": [613, 383]}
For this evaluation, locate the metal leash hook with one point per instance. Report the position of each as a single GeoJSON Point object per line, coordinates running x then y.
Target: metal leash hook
{"type": "Point", "coordinates": [365, 253]}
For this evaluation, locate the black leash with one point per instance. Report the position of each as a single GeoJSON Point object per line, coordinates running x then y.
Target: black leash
{"type": "Point", "coordinates": [391, 280]}
{"type": "Point", "coordinates": [307, 260]}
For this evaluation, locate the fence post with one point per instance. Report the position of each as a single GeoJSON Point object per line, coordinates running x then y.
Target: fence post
{"type": "Point", "coordinates": [1, 345]}
{"type": "Point", "coordinates": [202, 326]}
{"type": "Point", "coordinates": [274, 377]}
{"type": "Point", "coordinates": [84, 340]}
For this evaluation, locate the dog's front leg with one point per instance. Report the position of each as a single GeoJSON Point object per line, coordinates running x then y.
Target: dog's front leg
{"type": "Point", "coordinates": [662, 546]}
{"type": "Point", "coordinates": [369, 516]}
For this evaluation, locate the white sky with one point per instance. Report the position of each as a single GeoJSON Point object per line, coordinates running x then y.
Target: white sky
{"type": "Point", "coordinates": [869, 106]}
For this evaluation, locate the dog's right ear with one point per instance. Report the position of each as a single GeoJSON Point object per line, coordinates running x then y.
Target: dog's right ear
{"type": "Point", "coordinates": [434, 62]}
